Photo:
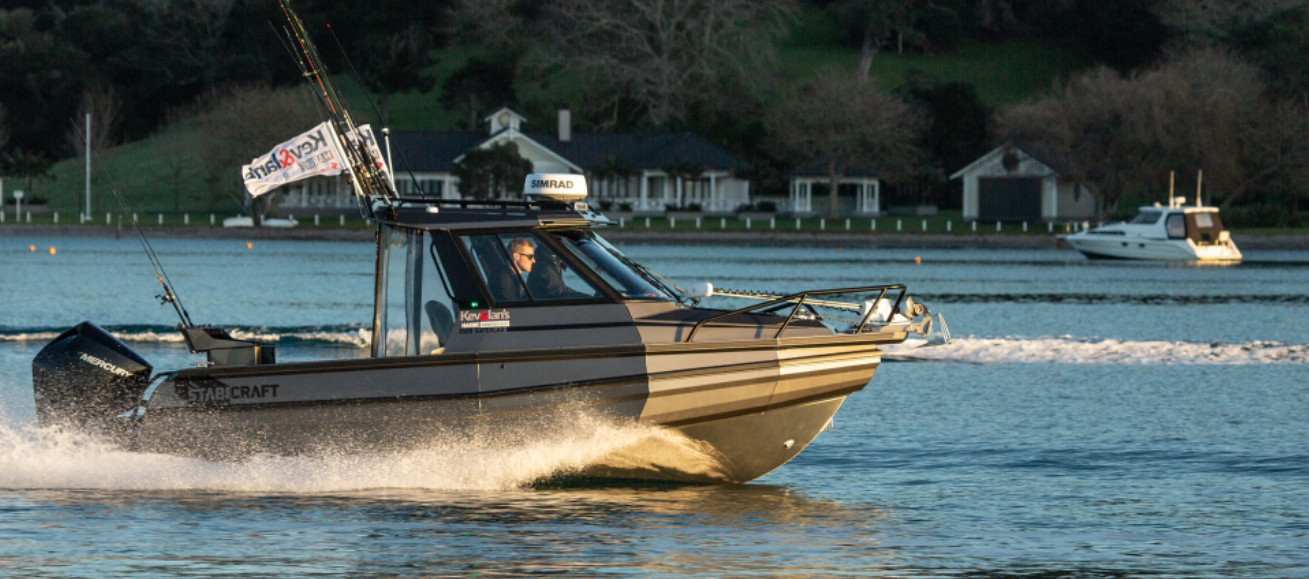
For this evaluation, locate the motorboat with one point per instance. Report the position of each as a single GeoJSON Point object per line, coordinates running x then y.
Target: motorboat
{"type": "Point", "coordinates": [491, 316]}
{"type": "Point", "coordinates": [494, 312]}
{"type": "Point", "coordinates": [1177, 232]}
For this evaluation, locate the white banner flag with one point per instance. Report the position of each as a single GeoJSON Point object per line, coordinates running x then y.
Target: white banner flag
{"type": "Point", "coordinates": [371, 142]}
{"type": "Point", "coordinates": [315, 153]}
{"type": "Point", "coordinates": [312, 154]}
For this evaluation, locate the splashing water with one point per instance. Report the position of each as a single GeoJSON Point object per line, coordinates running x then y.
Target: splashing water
{"type": "Point", "coordinates": [35, 458]}
{"type": "Point", "coordinates": [1070, 350]}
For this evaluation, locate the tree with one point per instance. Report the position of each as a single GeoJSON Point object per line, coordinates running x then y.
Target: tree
{"type": "Point", "coordinates": [395, 61]}
{"type": "Point", "coordinates": [477, 88]}
{"type": "Point", "coordinates": [663, 55]}
{"type": "Point", "coordinates": [495, 172]}
{"type": "Point", "coordinates": [241, 123]}
{"type": "Point", "coordinates": [4, 129]}
{"type": "Point", "coordinates": [29, 165]}
{"type": "Point", "coordinates": [1200, 23]}
{"type": "Point", "coordinates": [871, 23]}
{"type": "Point", "coordinates": [1118, 133]}
{"type": "Point", "coordinates": [40, 81]}
{"type": "Point", "coordinates": [958, 129]}
{"type": "Point", "coordinates": [843, 122]}
{"type": "Point", "coordinates": [1278, 44]}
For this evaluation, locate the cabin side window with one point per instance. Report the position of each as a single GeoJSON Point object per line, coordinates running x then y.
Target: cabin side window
{"type": "Point", "coordinates": [417, 300]}
{"type": "Point", "coordinates": [1176, 226]}
{"type": "Point", "coordinates": [519, 267]}
{"type": "Point", "coordinates": [1146, 218]}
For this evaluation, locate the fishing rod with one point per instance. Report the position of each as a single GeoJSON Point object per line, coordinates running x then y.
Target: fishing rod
{"type": "Point", "coordinates": [363, 166]}
{"type": "Point", "coordinates": [161, 274]}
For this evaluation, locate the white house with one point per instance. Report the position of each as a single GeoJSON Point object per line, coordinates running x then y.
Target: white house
{"type": "Point", "coordinates": [1008, 184]}
{"type": "Point", "coordinates": [643, 172]}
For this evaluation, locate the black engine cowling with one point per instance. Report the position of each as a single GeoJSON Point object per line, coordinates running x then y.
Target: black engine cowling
{"type": "Point", "coordinates": [86, 374]}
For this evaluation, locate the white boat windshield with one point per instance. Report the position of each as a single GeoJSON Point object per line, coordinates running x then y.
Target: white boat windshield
{"type": "Point", "coordinates": [1147, 218]}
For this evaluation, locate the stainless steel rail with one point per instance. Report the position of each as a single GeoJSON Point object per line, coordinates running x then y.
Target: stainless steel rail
{"type": "Point", "coordinates": [799, 300]}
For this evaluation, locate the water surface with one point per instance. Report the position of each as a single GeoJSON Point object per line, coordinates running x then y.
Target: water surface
{"type": "Point", "coordinates": [1093, 419]}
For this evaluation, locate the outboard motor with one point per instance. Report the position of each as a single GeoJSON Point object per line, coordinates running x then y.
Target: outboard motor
{"type": "Point", "coordinates": [86, 374]}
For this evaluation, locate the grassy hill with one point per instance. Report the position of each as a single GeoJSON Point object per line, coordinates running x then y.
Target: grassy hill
{"type": "Point", "coordinates": [155, 174]}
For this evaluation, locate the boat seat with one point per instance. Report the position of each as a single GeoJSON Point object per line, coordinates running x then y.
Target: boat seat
{"type": "Point", "coordinates": [442, 320]}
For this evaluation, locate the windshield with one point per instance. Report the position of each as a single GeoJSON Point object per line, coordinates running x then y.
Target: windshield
{"type": "Point", "coordinates": [626, 277]}
{"type": "Point", "coordinates": [1147, 218]}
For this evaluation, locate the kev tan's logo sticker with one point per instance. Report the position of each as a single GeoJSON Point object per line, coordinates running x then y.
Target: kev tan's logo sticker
{"type": "Point", "coordinates": [474, 320]}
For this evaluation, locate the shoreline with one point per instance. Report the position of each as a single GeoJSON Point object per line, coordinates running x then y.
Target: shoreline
{"type": "Point", "coordinates": [887, 240]}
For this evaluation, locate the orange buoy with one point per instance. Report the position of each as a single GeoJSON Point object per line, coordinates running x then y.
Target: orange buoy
{"type": "Point", "coordinates": [840, 249]}
{"type": "Point", "coordinates": [249, 245]}
{"type": "Point", "coordinates": [918, 259]}
{"type": "Point", "coordinates": [52, 251]}
{"type": "Point", "coordinates": [31, 248]}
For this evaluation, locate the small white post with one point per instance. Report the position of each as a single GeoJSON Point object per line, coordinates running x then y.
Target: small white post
{"type": "Point", "coordinates": [672, 223]}
{"type": "Point", "coordinates": [847, 224]}
{"type": "Point", "coordinates": [211, 219]}
{"type": "Point", "coordinates": [974, 226]}
{"type": "Point", "coordinates": [949, 226]}
{"type": "Point", "coordinates": [1024, 227]}
{"type": "Point", "coordinates": [622, 221]}
{"type": "Point", "coordinates": [56, 218]}
{"type": "Point", "coordinates": [108, 219]}
{"type": "Point", "coordinates": [772, 223]}
{"type": "Point", "coordinates": [29, 216]}
{"type": "Point", "coordinates": [747, 223]}
{"type": "Point", "coordinates": [722, 223]}
{"type": "Point", "coordinates": [134, 218]}
{"type": "Point", "coordinates": [822, 224]}
{"type": "Point", "coordinates": [647, 222]}
{"type": "Point", "coordinates": [342, 220]}
{"type": "Point", "coordinates": [2, 215]}
{"type": "Point", "coordinates": [186, 219]}
{"type": "Point", "coordinates": [899, 224]}
{"type": "Point", "coordinates": [872, 225]}
{"type": "Point", "coordinates": [797, 224]}
{"type": "Point", "coordinates": [1049, 226]}
{"type": "Point", "coordinates": [997, 226]}
{"type": "Point", "coordinates": [161, 218]}
{"type": "Point", "coordinates": [924, 225]}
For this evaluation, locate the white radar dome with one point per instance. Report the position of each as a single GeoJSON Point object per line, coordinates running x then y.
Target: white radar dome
{"type": "Point", "coordinates": [555, 186]}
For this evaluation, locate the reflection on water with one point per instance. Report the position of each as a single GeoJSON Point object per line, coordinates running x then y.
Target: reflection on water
{"type": "Point", "coordinates": [707, 531]}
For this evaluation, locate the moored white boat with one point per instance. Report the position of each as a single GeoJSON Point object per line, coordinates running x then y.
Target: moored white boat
{"type": "Point", "coordinates": [1175, 233]}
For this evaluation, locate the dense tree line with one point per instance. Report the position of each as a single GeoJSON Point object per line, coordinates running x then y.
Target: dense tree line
{"type": "Point", "coordinates": [701, 65]}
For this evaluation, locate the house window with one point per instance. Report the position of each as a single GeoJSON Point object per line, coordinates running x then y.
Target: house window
{"type": "Point", "coordinates": [430, 187]}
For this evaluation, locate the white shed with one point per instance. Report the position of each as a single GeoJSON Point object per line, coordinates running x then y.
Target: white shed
{"type": "Point", "coordinates": [1008, 184]}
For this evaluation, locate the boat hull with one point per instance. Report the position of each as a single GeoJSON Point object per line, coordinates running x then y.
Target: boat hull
{"type": "Point", "coordinates": [718, 412]}
{"type": "Point", "coordinates": [1116, 247]}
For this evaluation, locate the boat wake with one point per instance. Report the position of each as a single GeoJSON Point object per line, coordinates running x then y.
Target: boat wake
{"type": "Point", "coordinates": [1070, 350]}
{"type": "Point", "coordinates": [34, 458]}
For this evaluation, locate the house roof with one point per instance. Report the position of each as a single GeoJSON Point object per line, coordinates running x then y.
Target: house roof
{"type": "Point", "coordinates": [997, 153]}
{"type": "Point", "coordinates": [819, 169]}
{"type": "Point", "coordinates": [435, 151]}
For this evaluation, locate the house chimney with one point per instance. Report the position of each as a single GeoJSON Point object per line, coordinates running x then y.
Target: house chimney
{"type": "Point", "coordinates": [565, 125]}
